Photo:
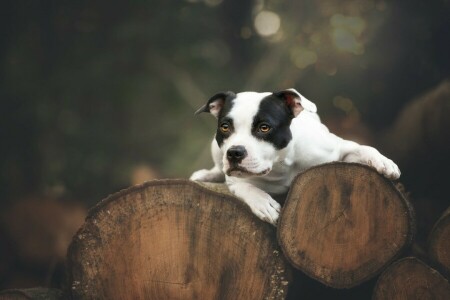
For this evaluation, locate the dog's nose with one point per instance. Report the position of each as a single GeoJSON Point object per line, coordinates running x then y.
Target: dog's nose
{"type": "Point", "coordinates": [236, 154]}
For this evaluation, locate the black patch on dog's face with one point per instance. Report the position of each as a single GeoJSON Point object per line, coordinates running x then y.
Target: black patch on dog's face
{"type": "Point", "coordinates": [274, 113]}
{"type": "Point", "coordinates": [222, 117]}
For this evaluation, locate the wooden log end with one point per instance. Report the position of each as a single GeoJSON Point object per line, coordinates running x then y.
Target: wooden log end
{"type": "Point", "coordinates": [175, 239]}
{"type": "Point", "coordinates": [439, 242]}
{"type": "Point", "coordinates": [343, 223]}
{"type": "Point", "coordinates": [410, 278]}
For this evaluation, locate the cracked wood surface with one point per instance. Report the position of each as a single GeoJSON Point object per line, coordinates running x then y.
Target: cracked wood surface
{"type": "Point", "coordinates": [343, 223]}
{"type": "Point", "coordinates": [175, 239]}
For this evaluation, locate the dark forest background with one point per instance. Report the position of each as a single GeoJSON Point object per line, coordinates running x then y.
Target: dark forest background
{"type": "Point", "coordinates": [99, 95]}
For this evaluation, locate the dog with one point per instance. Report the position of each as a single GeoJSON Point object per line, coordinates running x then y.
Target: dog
{"type": "Point", "coordinates": [264, 140]}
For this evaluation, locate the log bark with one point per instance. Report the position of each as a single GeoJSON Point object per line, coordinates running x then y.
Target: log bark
{"type": "Point", "coordinates": [343, 223]}
{"type": "Point", "coordinates": [175, 239]}
{"type": "Point", "coordinates": [410, 279]}
{"type": "Point", "coordinates": [439, 242]}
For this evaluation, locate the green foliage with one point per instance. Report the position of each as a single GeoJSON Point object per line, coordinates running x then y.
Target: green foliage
{"type": "Point", "coordinates": [92, 89]}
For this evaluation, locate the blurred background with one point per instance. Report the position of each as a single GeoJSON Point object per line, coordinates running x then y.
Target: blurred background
{"type": "Point", "coordinates": [97, 96]}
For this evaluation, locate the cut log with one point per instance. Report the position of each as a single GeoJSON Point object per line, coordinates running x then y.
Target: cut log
{"type": "Point", "coordinates": [439, 242]}
{"type": "Point", "coordinates": [343, 223]}
{"type": "Point", "coordinates": [410, 279]}
{"type": "Point", "coordinates": [175, 239]}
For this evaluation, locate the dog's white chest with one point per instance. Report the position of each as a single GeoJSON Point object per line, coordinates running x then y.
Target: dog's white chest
{"type": "Point", "coordinates": [278, 180]}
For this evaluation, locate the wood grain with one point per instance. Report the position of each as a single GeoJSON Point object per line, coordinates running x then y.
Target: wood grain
{"type": "Point", "coordinates": [411, 279]}
{"type": "Point", "coordinates": [343, 223]}
{"type": "Point", "coordinates": [439, 242]}
{"type": "Point", "coordinates": [175, 239]}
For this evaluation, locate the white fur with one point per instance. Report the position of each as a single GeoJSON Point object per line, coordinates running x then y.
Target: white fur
{"type": "Point", "coordinates": [311, 144]}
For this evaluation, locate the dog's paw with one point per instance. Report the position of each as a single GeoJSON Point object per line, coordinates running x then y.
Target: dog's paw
{"type": "Point", "coordinates": [200, 175]}
{"type": "Point", "coordinates": [382, 164]}
{"type": "Point", "coordinates": [208, 176]}
{"type": "Point", "coordinates": [385, 166]}
{"type": "Point", "coordinates": [260, 203]}
{"type": "Point", "coordinates": [266, 208]}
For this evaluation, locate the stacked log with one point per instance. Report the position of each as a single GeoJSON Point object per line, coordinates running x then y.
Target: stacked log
{"type": "Point", "coordinates": [439, 243]}
{"type": "Point", "coordinates": [410, 279]}
{"type": "Point", "coordinates": [175, 239]}
{"type": "Point", "coordinates": [342, 225]}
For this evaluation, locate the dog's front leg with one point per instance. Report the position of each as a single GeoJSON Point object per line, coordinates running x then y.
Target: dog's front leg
{"type": "Point", "coordinates": [353, 152]}
{"type": "Point", "coordinates": [260, 203]}
{"type": "Point", "coordinates": [213, 175]}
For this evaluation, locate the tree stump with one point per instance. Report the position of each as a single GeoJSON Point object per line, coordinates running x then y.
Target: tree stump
{"type": "Point", "coordinates": [175, 239]}
{"type": "Point", "coordinates": [439, 242]}
{"type": "Point", "coordinates": [410, 279]}
{"type": "Point", "coordinates": [343, 223]}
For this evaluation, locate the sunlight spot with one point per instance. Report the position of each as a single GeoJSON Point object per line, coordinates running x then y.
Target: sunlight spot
{"type": "Point", "coordinates": [267, 23]}
{"type": "Point", "coordinates": [345, 40]}
{"type": "Point", "coordinates": [326, 66]}
{"type": "Point", "coordinates": [346, 33]}
{"type": "Point", "coordinates": [355, 25]}
{"type": "Point", "coordinates": [302, 57]}
{"type": "Point", "coordinates": [343, 103]}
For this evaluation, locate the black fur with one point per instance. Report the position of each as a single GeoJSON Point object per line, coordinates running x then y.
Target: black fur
{"type": "Point", "coordinates": [275, 113]}
{"type": "Point", "coordinates": [227, 105]}
{"type": "Point", "coordinates": [221, 96]}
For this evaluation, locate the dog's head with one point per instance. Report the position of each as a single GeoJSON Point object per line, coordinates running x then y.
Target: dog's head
{"type": "Point", "coordinates": [254, 128]}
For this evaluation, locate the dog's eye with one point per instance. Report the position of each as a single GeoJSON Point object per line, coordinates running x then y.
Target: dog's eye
{"type": "Point", "coordinates": [225, 127]}
{"type": "Point", "coordinates": [264, 128]}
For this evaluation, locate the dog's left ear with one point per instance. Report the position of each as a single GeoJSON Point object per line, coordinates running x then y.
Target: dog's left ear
{"type": "Point", "coordinates": [215, 103]}
{"type": "Point", "coordinates": [296, 102]}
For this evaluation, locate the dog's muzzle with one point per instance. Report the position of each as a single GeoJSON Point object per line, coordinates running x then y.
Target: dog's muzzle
{"type": "Point", "coordinates": [236, 154]}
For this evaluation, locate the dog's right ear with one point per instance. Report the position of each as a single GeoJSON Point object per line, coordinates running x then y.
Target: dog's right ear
{"type": "Point", "coordinates": [296, 101]}
{"type": "Point", "coordinates": [215, 103]}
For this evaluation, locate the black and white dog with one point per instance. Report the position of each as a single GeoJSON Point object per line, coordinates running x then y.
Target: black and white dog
{"type": "Point", "coordinates": [264, 139]}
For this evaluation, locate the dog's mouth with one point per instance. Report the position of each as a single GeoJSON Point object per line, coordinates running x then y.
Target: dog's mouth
{"type": "Point", "coordinates": [238, 171]}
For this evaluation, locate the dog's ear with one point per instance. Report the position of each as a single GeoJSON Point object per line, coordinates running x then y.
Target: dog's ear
{"type": "Point", "coordinates": [295, 101]}
{"type": "Point", "coordinates": [215, 103]}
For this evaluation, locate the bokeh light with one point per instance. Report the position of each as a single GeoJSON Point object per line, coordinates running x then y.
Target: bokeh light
{"type": "Point", "coordinates": [267, 23]}
{"type": "Point", "coordinates": [97, 97]}
{"type": "Point", "coordinates": [347, 32]}
{"type": "Point", "coordinates": [303, 57]}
